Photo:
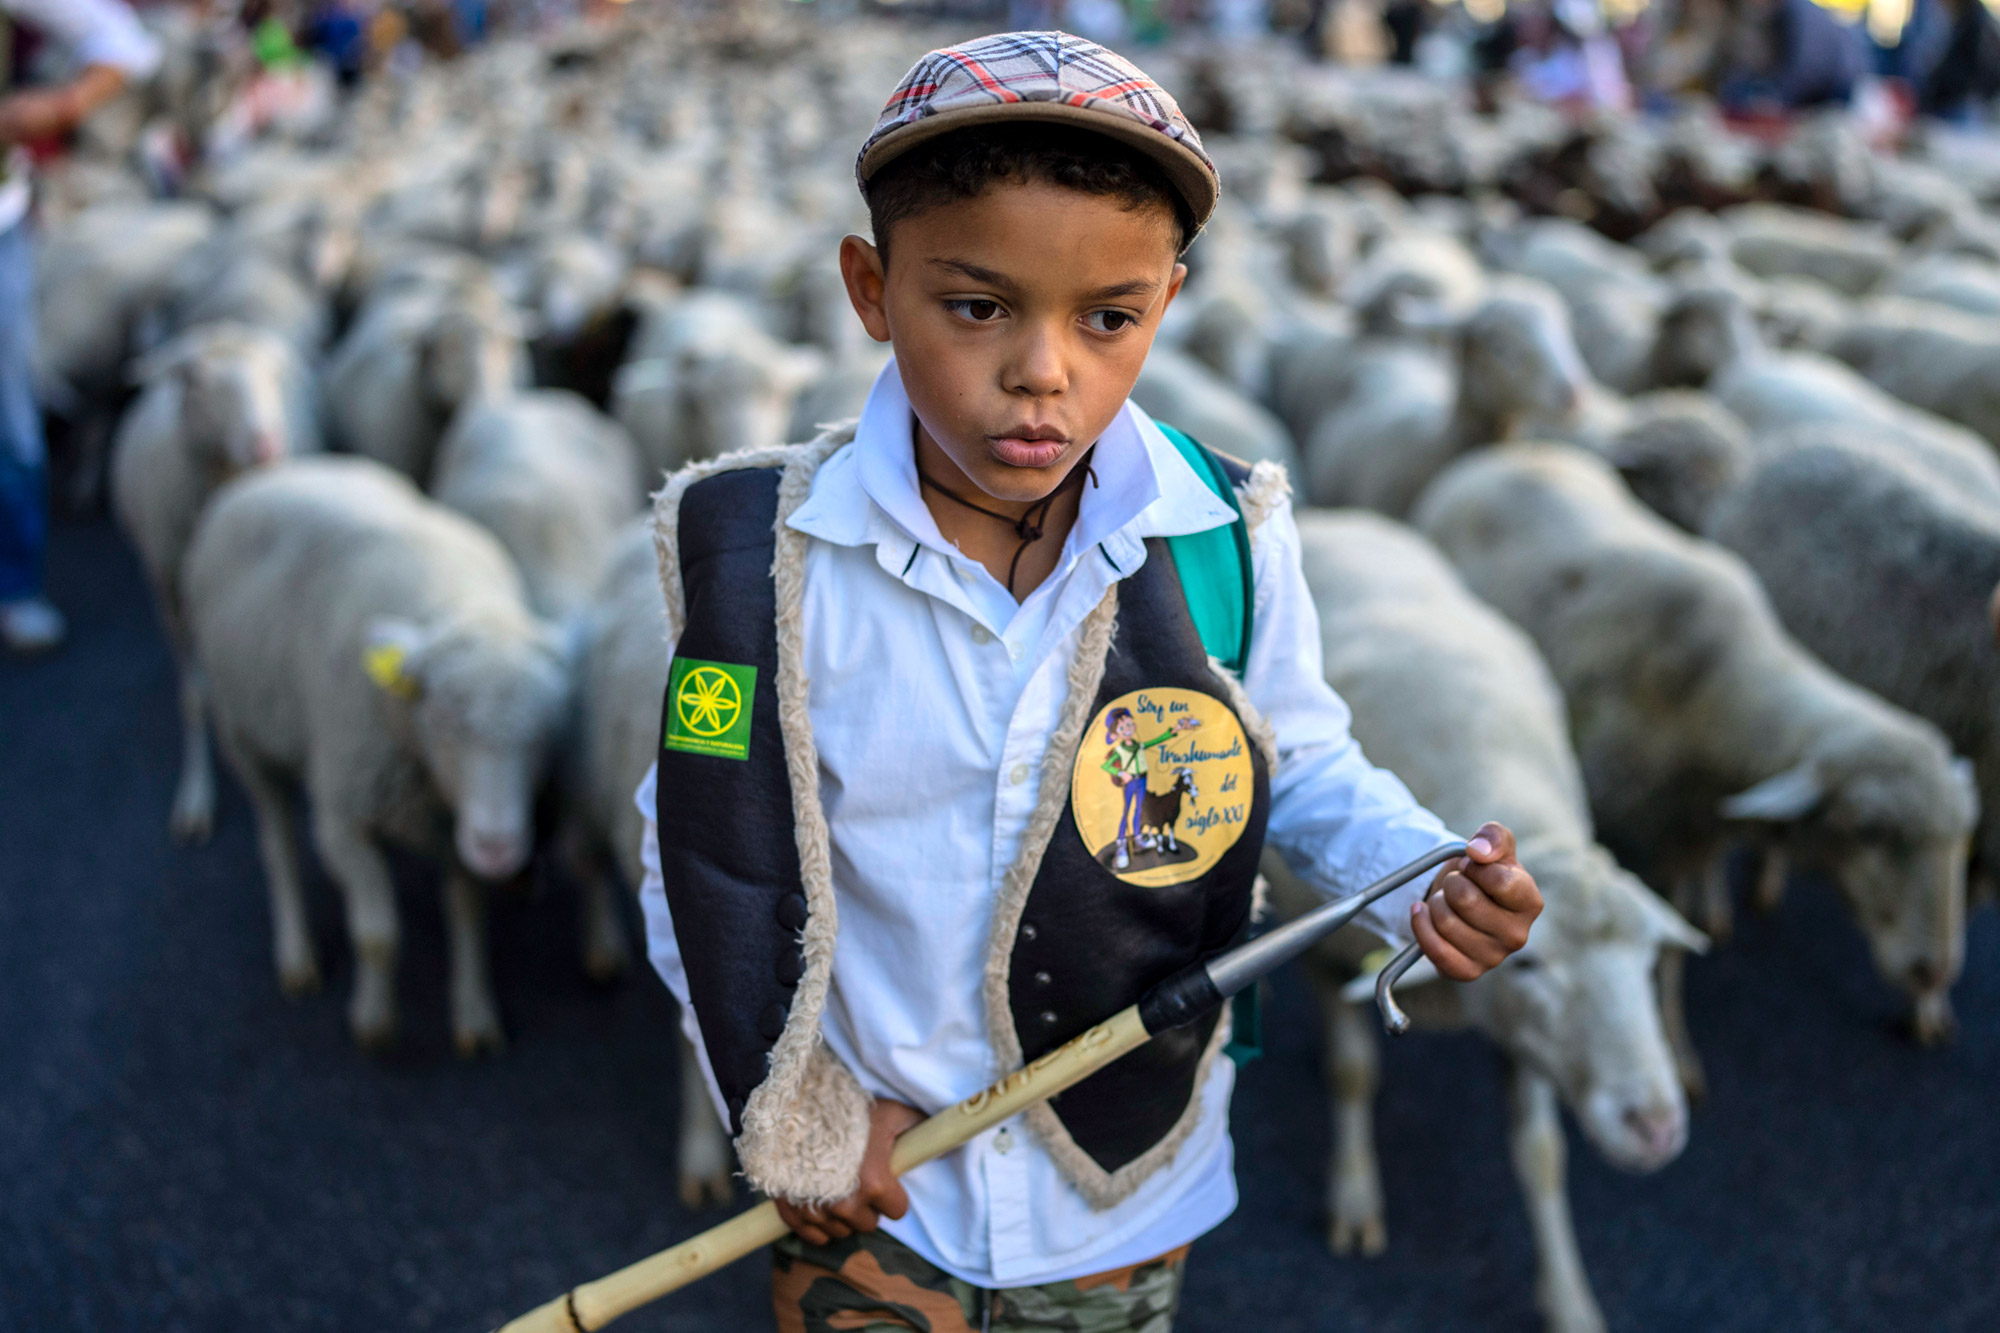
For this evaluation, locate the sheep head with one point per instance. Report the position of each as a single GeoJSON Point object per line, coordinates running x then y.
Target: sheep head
{"type": "Point", "coordinates": [474, 348]}
{"type": "Point", "coordinates": [485, 702]}
{"type": "Point", "coordinates": [740, 397]}
{"type": "Point", "coordinates": [1518, 357]}
{"type": "Point", "coordinates": [233, 383]}
{"type": "Point", "coordinates": [1889, 817]}
{"type": "Point", "coordinates": [1705, 328]}
{"type": "Point", "coordinates": [1579, 1006]}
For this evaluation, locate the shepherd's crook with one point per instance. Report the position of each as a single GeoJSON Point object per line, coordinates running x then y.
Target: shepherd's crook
{"type": "Point", "coordinates": [1175, 1002]}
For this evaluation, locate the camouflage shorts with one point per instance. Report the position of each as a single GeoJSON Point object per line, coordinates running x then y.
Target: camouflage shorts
{"type": "Point", "coordinates": [873, 1283]}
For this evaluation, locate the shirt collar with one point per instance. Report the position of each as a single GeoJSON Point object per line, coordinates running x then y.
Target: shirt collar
{"type": "Point", "coordinates": [868, 492]}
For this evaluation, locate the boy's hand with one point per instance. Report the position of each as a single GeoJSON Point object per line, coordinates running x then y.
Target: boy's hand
{"type": "Point", "coordinates": [1479, 908]}
{"type": "Point", "coordinates": [878, 1195]}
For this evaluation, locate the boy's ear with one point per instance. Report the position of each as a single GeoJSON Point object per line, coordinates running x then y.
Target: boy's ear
{"type": "Point", "coordinates": [861, 268]}
{"type": "Point", "coordinates": [1174, 281]}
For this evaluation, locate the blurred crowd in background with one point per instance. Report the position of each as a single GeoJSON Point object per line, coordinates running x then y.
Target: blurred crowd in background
{"type": "Point", "coordinates": [1760, 59]}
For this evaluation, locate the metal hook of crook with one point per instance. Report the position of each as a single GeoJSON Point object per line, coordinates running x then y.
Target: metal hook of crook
{"type": "Point", "coordinates": [1394, 1021]}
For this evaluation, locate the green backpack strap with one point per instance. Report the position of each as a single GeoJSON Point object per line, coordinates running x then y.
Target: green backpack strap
{"type": "Point", "coordinates": [1221, 589]}
{"type": "Point", "coordinates": [1215, 565]}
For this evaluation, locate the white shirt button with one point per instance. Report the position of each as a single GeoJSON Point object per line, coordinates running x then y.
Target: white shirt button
{"type": "Point", "coordinates": [1017, 774]}
{"type": "Point", "coordinates": [1003, 1142]}
{"type": "Point", "coordinates": [981, 635]}
{"type": "Point", "coordinates": [1014, 651]}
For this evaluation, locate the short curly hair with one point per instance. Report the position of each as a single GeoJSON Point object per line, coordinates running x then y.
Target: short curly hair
{"type": "Point", "coordinates": [964, 164]}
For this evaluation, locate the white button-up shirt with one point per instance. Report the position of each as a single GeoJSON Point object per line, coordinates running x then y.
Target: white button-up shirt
{"type": "Point", "coordinates": [929, 786]}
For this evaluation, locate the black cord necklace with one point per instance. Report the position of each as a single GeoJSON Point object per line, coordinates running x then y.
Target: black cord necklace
{"type": "Point", "coordinates": [1028, 527]}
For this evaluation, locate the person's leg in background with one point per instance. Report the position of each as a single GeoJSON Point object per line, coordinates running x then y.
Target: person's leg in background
{"type": "Point", "coordinates": [28, 623]}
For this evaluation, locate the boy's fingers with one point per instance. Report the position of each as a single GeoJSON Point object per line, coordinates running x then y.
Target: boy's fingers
{"type": "Point", "coordinates": [1450, 963]}
{"type": "Point", "coordinates": [856, 1213]}
{"type": "Point", "coordinates": [801, 1222]}
{"type": "Point", "coordinates": [1477, 946]}
{"type": "Point", "coordinates": [892, 1200]}
{"type": "Point", "coordinates": [1472, 905]}
{"type": "Point", "coordinates": [1506, 883]}
{"type": "Point", "coordinates": [1493, 842]}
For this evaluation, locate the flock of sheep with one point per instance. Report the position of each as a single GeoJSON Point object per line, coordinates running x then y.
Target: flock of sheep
{"type": "Point", "coordinates": [1650, 550]}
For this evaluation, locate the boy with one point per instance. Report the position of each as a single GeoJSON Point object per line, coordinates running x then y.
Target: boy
{"type": "Point", "coordinates": [876, 877]}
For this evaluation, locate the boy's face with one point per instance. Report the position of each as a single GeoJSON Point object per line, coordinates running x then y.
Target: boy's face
{"type": "Point", "coordinates": [1020, 320]}
{"type": "Point", "coordinates": [1125, 728]}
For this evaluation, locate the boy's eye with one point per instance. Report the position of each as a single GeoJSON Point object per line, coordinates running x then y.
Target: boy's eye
{"type": "Point", "coordinates": [979, 312]}
{"type": "Point", "coordinates": [1109, 321]}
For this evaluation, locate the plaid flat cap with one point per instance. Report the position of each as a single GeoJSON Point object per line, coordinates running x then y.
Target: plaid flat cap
{"type": "Point", "coordinates": [1050, 76]}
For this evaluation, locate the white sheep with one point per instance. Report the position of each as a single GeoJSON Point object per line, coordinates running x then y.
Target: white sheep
{"type": "Point", "coordinates": [218, 400]}
{"type": "Point", "coordinates": [376, 650]}
{"type": "Point", "coordinates": [271, 267]}
{"type": "Point", "coordinates": [703, 378]}
{"type": "Point", "coordinates": [552, 478]}
{"type": "Point", "coordinates": [1175, 388]}
{"type": "Point", "coordinates": [412, 359]}
{"type": "Point", "coordinates": [1417, 657]}
{"type": "Point", "coordinates": [1959, 281]}
{"type": "Point", "coordinates": [839, 392]}
{"type": "Point", "coordinates": [1400, 421]}
{"type": "Point", "coordinates": [569, 281]}
{"type": "Point", "coordinates": [1940, 359]}
{"type": "Point", "coordinates": [1772, 240]}
{"type": "Point", "coordinates": [1614, 300]}
{"type": "Point", "coordinates": [95, 280]}
{"type": "Point", "coordinates": [1714, 341]}
{"type": "Point", "coordinates": [1697, 717]}
{"type": "Point", "coordinates": [1225, 316]}
{"type": "Point", "coordinates": [1884, 570]}
{"type": "Point", "coordinates": [621, 677]}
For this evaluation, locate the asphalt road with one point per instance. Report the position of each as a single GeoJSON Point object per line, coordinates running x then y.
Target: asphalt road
{"type": "Point", "coordinates": [183, 1149]}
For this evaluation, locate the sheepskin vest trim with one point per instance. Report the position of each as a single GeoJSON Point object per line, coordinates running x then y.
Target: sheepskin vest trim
{"type": "Point", "coordinates": [1117, 886]}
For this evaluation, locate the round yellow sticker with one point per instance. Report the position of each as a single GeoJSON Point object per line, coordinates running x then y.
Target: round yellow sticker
{"type": "Point", "coordinates": [1162, 785]}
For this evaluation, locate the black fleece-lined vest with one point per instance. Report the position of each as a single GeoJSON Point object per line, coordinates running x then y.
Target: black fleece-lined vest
{"type": "Point", "coordinates": [1088, 944]}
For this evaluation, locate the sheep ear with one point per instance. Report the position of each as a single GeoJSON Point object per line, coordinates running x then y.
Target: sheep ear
{"type": "Point", "coordinates": [567, 639]}
{"type": "Point", "coordinates": [1967, 779]}
{"type": "Point", "coordinates": [392, 655]}
{"type": "Point", "coordinates": [1780, 798]}
{"type": "Point", "coordinates": [170, 356]}
{"type": "Point", "coordinates": [1670, 927]}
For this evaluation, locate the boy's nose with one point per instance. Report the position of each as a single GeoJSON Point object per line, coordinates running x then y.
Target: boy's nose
{"type": "Point", "coordinates": [1037, 369]}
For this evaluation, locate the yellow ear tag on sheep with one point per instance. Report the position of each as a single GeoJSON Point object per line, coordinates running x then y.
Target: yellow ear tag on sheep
{"type": "Point", "coordinates": [384, 664]}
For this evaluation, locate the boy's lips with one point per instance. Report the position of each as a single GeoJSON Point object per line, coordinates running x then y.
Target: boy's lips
{"type": "Point", "coordinates": [1029, 446]}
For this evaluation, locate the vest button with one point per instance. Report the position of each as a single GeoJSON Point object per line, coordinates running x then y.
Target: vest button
{"type": "Point", "coordinates": [792, 911]}
{"type": "Point", "coordinates": [1043, 978]}
{"type": "Point", "coordinates": [1027, 930]}
{"type": "Point", "coordinates": [1048, 1018]}
{"type": "Point", "coordinates": [790, 967]}
{"type": "Point", "coordinates": [771, 1023]}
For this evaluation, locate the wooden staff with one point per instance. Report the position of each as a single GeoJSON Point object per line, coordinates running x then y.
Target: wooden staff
{"type": "Point", "coordinates": [1175, 1002]}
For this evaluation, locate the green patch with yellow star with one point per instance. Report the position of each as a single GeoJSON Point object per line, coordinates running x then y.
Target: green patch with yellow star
{"type": "Point", "coordinates": [709, 708]}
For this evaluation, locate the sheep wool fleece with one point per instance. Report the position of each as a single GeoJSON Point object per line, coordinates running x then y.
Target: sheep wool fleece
{"type": "Point", "coordinates": [1113, 890]}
